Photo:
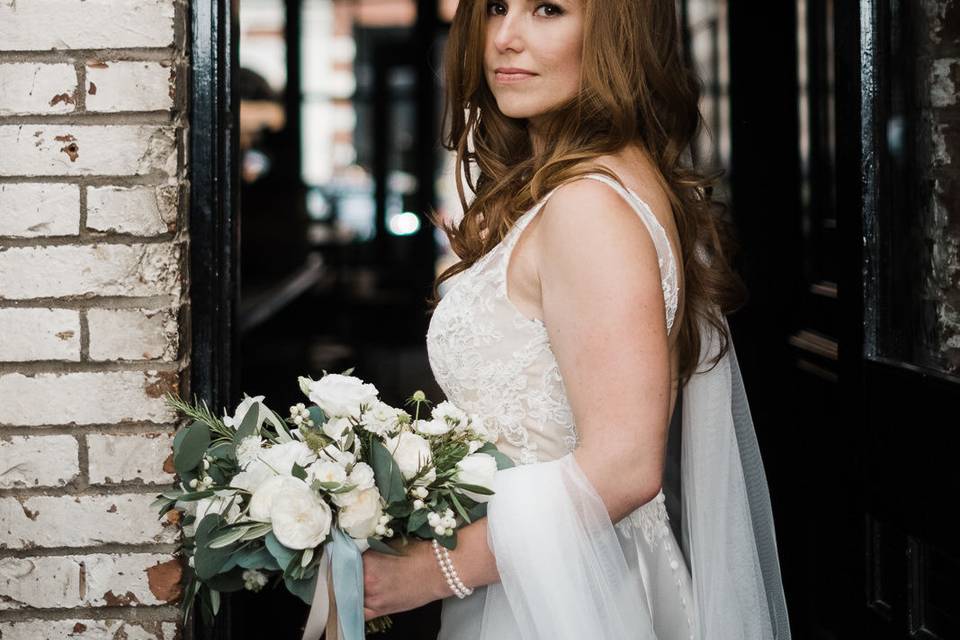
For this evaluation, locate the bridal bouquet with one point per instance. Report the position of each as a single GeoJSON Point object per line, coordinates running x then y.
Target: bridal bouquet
{"type": "Point", "coordinates": [298, 499]}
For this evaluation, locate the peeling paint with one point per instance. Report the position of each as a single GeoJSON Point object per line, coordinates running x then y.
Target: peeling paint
{"type": "Point", "coordinates": [65, 98]}
{"type": "Point", "coordinates": [944, 81]}
{"type": "Point", "coordinates": [164, 580]}
{"type": "Point", "coordinates": [124, 600]}
{"type": "Point", "coordinates": [93, 89]}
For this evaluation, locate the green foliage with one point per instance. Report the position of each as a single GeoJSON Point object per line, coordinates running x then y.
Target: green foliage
{"type": "Point", "coordinates": [192, 445]}
{"type": "Point", "coordinates": [386, 472]}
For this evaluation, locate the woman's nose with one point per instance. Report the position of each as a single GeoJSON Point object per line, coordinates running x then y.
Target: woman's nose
{"type": "Point", "coordinates": [507, 36]}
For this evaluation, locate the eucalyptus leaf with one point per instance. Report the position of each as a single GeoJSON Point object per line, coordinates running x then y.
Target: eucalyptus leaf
{"type": "Point", "coordinates": [303, 589]}
{"type": "Point", "coordinates": [282, 554]}
{"type": "Point", "coordinates": [386, 472]}
{"type": "Point", "coordinates": [383, 547]}
{"type": "Point", "coordinates": [209, 562]}
{"type": "Point", "coordinates": [503, 461]}
{"type": "Point", "coordinates": [259, 558]}
{"type": "Point", "coordinates": [249, 424]}
{"type": "Point", "coordinates": [417, 519]}
{"type": "Point", "coordinates": [479, 511]}
{"type": "Point", "coordinates": [192, 447]}
{"type": "Point", "coordinates": [317, 415]}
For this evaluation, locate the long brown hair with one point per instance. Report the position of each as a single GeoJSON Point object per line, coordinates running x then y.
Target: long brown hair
{"type": "Point", "coordinates": [635, 88]}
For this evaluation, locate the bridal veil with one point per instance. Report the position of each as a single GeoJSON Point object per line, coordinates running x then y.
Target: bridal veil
{"type": "Point", "coordinates": [564, 574]}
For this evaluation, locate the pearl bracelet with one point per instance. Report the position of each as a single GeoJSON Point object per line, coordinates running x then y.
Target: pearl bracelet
{"type": "Point", "coordinates": [449, 572]}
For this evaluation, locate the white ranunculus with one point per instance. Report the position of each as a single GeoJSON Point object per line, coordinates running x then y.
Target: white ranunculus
{"type": "Point", "coordinates": [381, 419]}
{"type": "Point", "coordinates": [326, 471]}
{"type": "Point", "coordinates": [362, 476]}
{"type": "Point", "coordinates": [475, 444]}
{"type": "Point", "coordinates": [301, 519]}
{"type": "Point", "coordinates": [450, 413]}
{"type": "Point", "coordinates": [339, 395]}
{"type": "Point", "coordinates": [477, 469]}
{"type": "Point", "coordinates": [336, 428]}
{"type": "Point", "coordinates": [435, 427]}
{"type": "Point", "coordinates": [249, 450]}
{"type": "Point", "coordinates": [263, 498]}
{"type": "Point", "coordinates": [282, 457]}
{"type": "Point", "coordinates": [410, 451]}
{"type": "Point", "coordinates": [360, 518]}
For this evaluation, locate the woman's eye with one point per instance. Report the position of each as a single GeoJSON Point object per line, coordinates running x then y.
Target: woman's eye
{"type": "Point", "coordinates": [493, 8]}
{"type": "Point", "coordinates": [549, 10]}
{"type": "Point", "coordinates": [496, 9]}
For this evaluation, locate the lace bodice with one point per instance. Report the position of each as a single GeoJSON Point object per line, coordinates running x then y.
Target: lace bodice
{"type": "Point", "coordinates": [493, 361]}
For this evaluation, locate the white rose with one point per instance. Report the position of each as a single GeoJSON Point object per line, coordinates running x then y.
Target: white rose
{"type": "Point", "coordinates": [343, 458]}
{"type": "Point", "coordinates": [477, 469]}
{"type": "Point", "coordinates": [450, 413]}
{"type": "Point", "coordinates": [435, 427]}
{"type": "Point", "coordinates": [301, 519]}
{"type": "Point", "coordinates": [261, 503]}
{"type": "Point", "coordinates": [339, 395]}
{"type": "Point", "coordinates": [254, 475]}
{"type": "Point", "coordinates": [360, 518]}
{"type": "Point", "coordinates": [336, 428]}
{"type": "Point", "coordinates": [326, 471]}
{"type": "Point", "coordinates": [282, 457]}
{"type": "Point", "coordinates": [411, 452]}
{"type": "Point", "coordinates": [362, 476]}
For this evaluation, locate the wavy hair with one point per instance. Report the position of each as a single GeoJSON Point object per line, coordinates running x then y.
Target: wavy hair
{"type": "Point", "coordinates": [635, 88]}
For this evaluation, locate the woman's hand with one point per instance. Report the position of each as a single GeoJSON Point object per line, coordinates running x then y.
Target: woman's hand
{"type": "Point", "coordinates": [399, 583]}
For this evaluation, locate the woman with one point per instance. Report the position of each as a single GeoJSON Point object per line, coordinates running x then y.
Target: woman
{"type": "Point", "coordinates": [593, 281]}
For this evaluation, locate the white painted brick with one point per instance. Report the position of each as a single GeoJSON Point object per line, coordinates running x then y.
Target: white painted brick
{"type": "Point", "coordinates": [95, 580]}
{"type": "Point", "coordinates": [114, 458]}
{"type": "Point", "coordinates": [88, 150]}
{"type": "Point", "coordinates": [943, 89]}
{"type": "Point", "coordinates": [129, 86]}
{"type": "Point", "coordinates": [34, 210]}
{"type": "Point", "coordinates": [89, 270]}
{"type": "Point", "coordinates": [32, 25]}
{"type": "Point", "coordinates": [85, 398]}
{"type": "Point", "coordinates": [81, 521]}
{"type": "Point", "coordinates": [38, 461]}
{"type": "Point", "coordinates": [142, 211]}
{"type": "Point", "coordinates": [28, 88]}
{"type": "Point", "coordinates": [86, 629]}
{"type": "Point", "coordinates": [39, 334]}
{"type": "Point", "coordinates": [133, 334]}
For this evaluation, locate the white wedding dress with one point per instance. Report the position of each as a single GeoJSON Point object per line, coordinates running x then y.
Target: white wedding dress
{"type": "Point", "coordinates": [566, 570]}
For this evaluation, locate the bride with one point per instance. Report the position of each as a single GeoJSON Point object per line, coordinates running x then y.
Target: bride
{"type": "Point", "coordinates": [593, 286]}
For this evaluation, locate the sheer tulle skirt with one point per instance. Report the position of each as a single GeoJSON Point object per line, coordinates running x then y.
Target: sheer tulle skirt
{"type": "Point", "coordinates": [645, 572]}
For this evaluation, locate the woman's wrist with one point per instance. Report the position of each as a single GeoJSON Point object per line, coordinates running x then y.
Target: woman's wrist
{"type": "Point", "coordinates": [433, 572]}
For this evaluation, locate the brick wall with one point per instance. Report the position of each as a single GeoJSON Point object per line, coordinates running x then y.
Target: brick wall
{"type": "Point", "coordinates": [92, 250]}
{"type": "Point", "coordinates": [938, 206]}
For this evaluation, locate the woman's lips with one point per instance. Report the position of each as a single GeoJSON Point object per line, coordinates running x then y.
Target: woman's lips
{"type": "Point", "coordinates": [511, 77]}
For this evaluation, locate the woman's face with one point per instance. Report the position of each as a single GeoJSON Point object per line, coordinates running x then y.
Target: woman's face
{"type": "Point", "coordinates": [532, 54]}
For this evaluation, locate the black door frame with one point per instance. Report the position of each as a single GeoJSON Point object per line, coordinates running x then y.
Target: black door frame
{"type": "Point", "coordinates": [213, 220]}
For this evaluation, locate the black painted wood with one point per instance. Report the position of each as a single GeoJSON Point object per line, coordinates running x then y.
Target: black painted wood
{"type": "Point", "coordinates": [214, 232]}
